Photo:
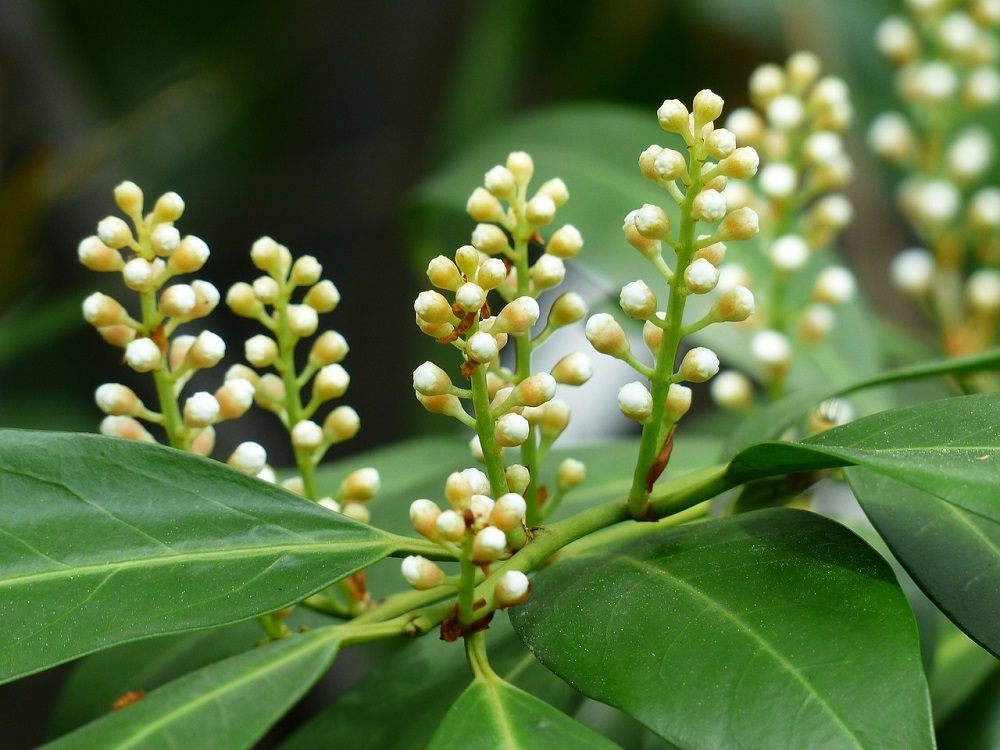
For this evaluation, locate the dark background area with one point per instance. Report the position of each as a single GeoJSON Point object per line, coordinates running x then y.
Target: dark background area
{"type": "Point", "coordinates": [311, 122]}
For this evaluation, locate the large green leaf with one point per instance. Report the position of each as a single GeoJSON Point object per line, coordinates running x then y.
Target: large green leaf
{"type": "Point", "coordinates": [104, 541]}
{"type": "Point", "coordinates": [773, 629]}
{"type": "Point", "coordinates": [225, 706]}
{"type": "Point", "coordinates": [494, 715]}
{"type": "Point", "coordinates": [378, 713]}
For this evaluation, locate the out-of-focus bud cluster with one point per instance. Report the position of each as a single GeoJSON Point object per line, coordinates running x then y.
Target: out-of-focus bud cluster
{"type": "Point", "coordinates": [149, 254]}
{"type": "Point", "coordinates": [796, 124]}
{"type": "Point", "coordinates": [701, 180]}
{"type": "Point", "coordinates": [287, 300]}
{"type": "Point", "coordinates": [945, 55]}
{"type": "Point", "coordinates": [492, 528]}
{"type": "Point", "coordinates": [459, 311]}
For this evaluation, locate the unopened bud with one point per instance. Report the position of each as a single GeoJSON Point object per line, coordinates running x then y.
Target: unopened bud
{"type": "Point", "coordinates": [142, 355]}
{"type": "Point", "coordinates": [511, 430]}
{"type": "Point", "coordinates": [635, 401]}
{"type": "Point", "coordinates": [341, 424]}
{"type": "Point", "coordinates": [307, 435]}
{"type": "Point", "coordinates": [97, 256]}
{"type": "Point", "coordinates": [488, 545]}
{"type": "Point", "coordinates": [331, 382]}
{"type": "Point", "coordinates": [201, 410]}
{"type": "Point", "coordinates": [117, 400]}
{"type": "Point", "coordinates": [699, 365]}
{"type": "Point", "coordinates": [322, 297]}
{"type": "Point", "coordinates": [573, 369]}
{"type": "Point", "coordinates": [566, 242]}
{"type": "Point", "coordinates": [570, 474]}
{"type": "Point", "coordinates": [249, 457]}
{"type": "Point", "coordinates": [423, 515]}
{"type": "Point", "coordinates": [607, 336]}
{"type": "Point", "coordinates": [360, 485]}
{"type": "Point", "coordinates": [421, 573]}
{"type": "Point", "coordinates": [114, 232]}
{"type": "Point", "coordinates": [517, 316]}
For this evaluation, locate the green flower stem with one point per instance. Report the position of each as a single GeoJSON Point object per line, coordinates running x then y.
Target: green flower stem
{"type": "Point", "coordinates": [475, 652]}
{"type": "Point", "coordinates": [172, 421]}
{"type": "Point", "coordinates": [492, 450]}
{"type": "Point", "coordinates": [273, 627]}
{"type": "Point", "coordinates": [467, 585]}
{"type": "Point", "coordinates": [415, 622]}
{"type": "Point", "coordinates": [652, 435]}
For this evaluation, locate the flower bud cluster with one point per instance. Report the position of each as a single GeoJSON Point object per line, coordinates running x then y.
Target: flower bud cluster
{"type": "Point", "coordinates": [461, 311]}
{"type": "Point", "coordinates": [287, 300]}
{"type": "Point", "coordinates": [472, 521]}
{"type": "Point", "coordinates": [946, 74]}
{"type": "Point", "coordinates": [700, 178]}
{"type": "Point", "coordinates": [148, 254]}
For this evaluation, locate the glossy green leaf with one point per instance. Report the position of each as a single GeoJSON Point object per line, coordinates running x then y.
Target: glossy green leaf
{"type": "Point", "coordinates": [494, 715]}
{"type": "Point", "coordinates": [105, 541]}
{"type": "Point", "coordinates": [773, 629]}
{"type": "Point", "coordinates": [225, 706]}
{"type": "Point", "coordinates": [378, 713]}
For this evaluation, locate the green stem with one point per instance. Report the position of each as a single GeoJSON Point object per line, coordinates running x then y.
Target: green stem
{"type": "Point", "coordinates": [467, 586]}
{"type": "Point", "coordinates": [492, 450]}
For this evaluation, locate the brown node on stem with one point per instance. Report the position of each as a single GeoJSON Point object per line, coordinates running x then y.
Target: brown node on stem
{"type": "Point", "coordinates": [452, 629]}
{"type": "Point", "coordinates": [132, 696]}
{"type": "Point", "coordinates": [662, 459]}
{"type": "Point", "coordinates": [355, 585]}
{"type": "Point", "coordinates": [468, 368]}
{"type": "Point", "coordinates": [542, 495]}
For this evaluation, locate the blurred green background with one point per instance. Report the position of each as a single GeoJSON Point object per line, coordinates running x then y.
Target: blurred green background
{"type": "Point", "coordinates": [313, 122]}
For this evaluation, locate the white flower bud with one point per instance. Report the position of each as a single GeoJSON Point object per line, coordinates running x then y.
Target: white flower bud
{"type": "Point", "coordinates": [117, 335]}
{"type": "Point", "coordinates": [302, 320]}
{"type": "Point", "coordinates": [164, 239]}
{"type": "Point", "coordinates": [778, 180]}
{"type": "Point", "coordinates": [168, 207]}
{"type": "Point", "coordinates": [100, 311]}
{"type": "Point", "coordinates": [512, 588]}
{"type": "Point", "coordinates": [982, 290]}
{"type": "Point", "coordinates": [834, 286]}
{"type": "Point", "coordinates": [137, 274]}
{"type": "Point", "coordinates": [323, 297]}
{"type": "Point", "coordinates": [307, 435]}
{"type": "Point", "coordinates": [125, 427]}
{"type": "Point", "coordinates": [491, 274]}
{"type": "Point", "coordinates": [822, 147]}
{"type": "Point", "coordinates": [329, 503]}
{"type": "Point", "coordinates": [566, 242]}
{"type": "Point", "coordinates": [97, 256]}
{"type": "Point", "coordinates": [785, 112]}
{"type": "Point", "coordinates": [734, 305]}
{"type": "Point", "coordinates": [535, 390]}
{"type": "Point", "coordinates": [481, 506]}
{"type": "Point", "coordinates": [663, 165]}
{"type": "Point", "coordinates": [673, 116]}
{"type": "Point", "coordinates": [709, 205]}
{"type": "Point", "coordinates": [189, 255]}
{"type": "Point", "coordinates": [488, 545]}
{"type": "Point", "coordinates": [731, 390]}
{"type": "Point", "coordinates": [701, 277]}
{"type": "Point", "coordinates": [483, 206]}
{"type": "Point", "coordinates": [606, 336]}
{"type": "Point", "coordinates": [982, 87]}
{"type": "Point", "coordinates": [771, 350]}
{"type": "Point", "coordinates": [573, 369]}
{"type": "Point", "coordinates": [746, 125]}
{"type": "Point", "coordinates": [652, 222]}
{"type": "Point", "coordinates": [142, 355]}
{"type": "Point", "coordinates": [637, 300]}
{"type": "Point", "coordinates": [433, 307]}
{"type": "Point", "coordinates": [360, 485]}
{"type": "Point", "coordinates": [678, 402]}
{"type": "Point", "coordinates": [741, 224]}
{"type": "Point", "coordinates": [261, 351]}
{"type": "Point", "coordinates": [699, 365]}
{"type": "Point", "coordinates": [500, 182]}
{"type": "Point", "coordinates": [470, 297]}
{"type": "Point", "coordinates": [249, 457]}
{"type": "Point", "coordinates": [815, 323]}
{"type": "Point", "coordinates": [635, 401]}
{"type": "Point", "coordinates": [969, 155]}
{"type": "Point", "coordinates": [431, 380]}
{"type": "Point", "coordinates": [767, 82]}
{"type": "Point", "coordinates": [741, 164]}
{"type": "Point", "coordinates": [649, 248]}
{"type": "Point", "coordinates": [789, 253]}
{"type": "Point", "coordinates": [128, 196]}
{"type": "Point", "coordinates": [178, 301]}
{"type": "Point", "coordinates": [201, 410]}
{"type": "Point", "coordinates": [421, 573]}
{"type": "Point", "coordinates": [117, 400]}
{"type": "Point", "coordinates": [508, 511]}
{"type": "Point", "coordinates": [521, 165]}
{"type": "Point", "coordinates": [329, 348]}
{"type": "Point", "coordinates": [511, 430]}
{"type": "Point", "coordinates": [267, 255]}
{"type": "Point", "coordinates": [720, 143]}
{"type": "Point", "coordinates": [207, 350]}
{"type": "Point", "coordinates": [706, 108]}
{"type": "Point", "coordinates": [178, 350]}
{"type": "Point", "coordinates": [897, 40]}
{"type": "Point", "coordinates": [114, 232]}
{"type": "Point", "coordinates": [331, 382]}
{"type": "Point", "coordinates": [468, 258]}
{"type": "Point", "coordinates": [891, 137]}
{"type": "Point", "coordinates": [450, 526]}
{"type": "Point", "coordinates": [206, 298]}
{"type": "Point", "coordinates": [567, 309]}
{"type": "Point", "coordinates": [540, 210]}
{"type": "Point", "coordinates": [912, 271]}
{"type": "Point", "coordinates": [241, 300]}
{"type": "Point", "coordinates": [341, 424]}
{"type": "Point", "coordinates": [489, 239]}
{"type": "Point", "coordinates": [556, 189]}
{"type": "Point", "coordinates": [270, 392]}
{"type": "Point", "coordinates": [517, 316]}
{"type": "Point", "coordinates": [570, 474]}
{"type": "Point", "coordinates": [458, 489]}
{"type": "Point", "coordinates": [482, 347]}
{"type": "Point", "coordinates": [423, 515]}
{"type": "Point", "coordinates": [235, 397]}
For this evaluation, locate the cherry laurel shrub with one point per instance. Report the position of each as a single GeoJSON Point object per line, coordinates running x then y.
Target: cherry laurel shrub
{"type": "Point", "coordinates": [692, 587]}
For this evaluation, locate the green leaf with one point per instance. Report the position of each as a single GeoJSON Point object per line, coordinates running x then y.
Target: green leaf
{"type": "Point", "coordinates": [105, 541]}
{"type": "Point", "coordinates": [493, 715]}
{"type": "Point", "coordinates": [400, 704]}
{"type": "Point", "coordinates": [773, 629]}
{"type": "Point", "coordinates": [225, 706]}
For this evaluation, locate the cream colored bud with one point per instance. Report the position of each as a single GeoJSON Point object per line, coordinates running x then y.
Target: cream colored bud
{"type": "Point", "coordinates": [517, 316]}
{"type": "Point", "coordinates": [242, 372]}
{"type": "Point", "coordinates": [709, 205]}
{"type": "Point", "coordinates": [540, 210]}
{"type": "Point", "coordinates": [500, 182]}
{"type": "Point", "coordinates": [734, 305]}
{"type": "Point", "coordinates": [357, 511]}
{"type": "Point", "coordinates": [331, 382]}
{"type": "Point", "coordinates": [815, 323]}
{"type": "Point", "coordinates": [341, 424]}
{"type": "Point", "coordinates": [323, 297]}
{"type": "Point", "coordinates": [746, 125]}
{"type": "Point", "coordinates": [508, 511]}
{"type": "Point", "coordinates": [566, 242]}
{"type": "Point", "coordinates": [835, 285]}
{"type": "Point", "coordinates": [266, 255]}
{"type": "Point", "coordinates": [142, 355]}
{"type": "Point", "coordinates": [701, 277]}
{"type": "Point", "coordinates": [511, 430]}
{"type": "Point", "coordinates": [235, 398]}
{"type": "Point", "coordinates": [433, 307]}
{"type": "Point", "coordinates": [789, 253]}
{"type": "Point", "coordinates": [720, 143]}
{"type": "Point", "coordinates": [573, 369]}
{"type": "Point", "coordinates": [97, 256]}
{"type": "Point", "coordinates": [138, 274]}
{"type": "Point", "coordinates": [260, 351]}
{"type": "Point", "coordinates": [547, 272]}
{"type": "Point", "coordinates": [329, 348]}
{"type": "Point", "coordinates": [606, 336]}
{"type": "Point", "coordinates": [168, 207]}
{"type": "Point", "coordinates": [637, 300]}
{"type": "Point", "coordinates": [481, 506]}
{"type": "Point", "coordinates": [450, 526]}
{"type": "Point", "coordinates": [470, 297]}
{"type": "Point", "coordinates": [178, 350]}
{"type": "Point", "coordinates": [567, 309]}
{"type": "Point", "coordinates": [249, 457]}
{"type": "Point", "coordinates": [649, 248]}
{"type": "Point", "coordinates": [458, 490]}
{"type": "Point", "coordinates": [897, 40]}
{"type": "Point", "coordinates": [421, 573]}
{"type": "Point", "coordinates": [431, 380]}
{"type": "Point", "coordinates": [741, 164]}
{"type": "Point", "coordinates": [982, 291]}
{"type": "Point", "coordinates": [201, 410]}
{"type": "Point", "coordinates": [785, 112]}
{"type": "Point", "coordinates": [266, 289]}
{"type": "Point", "coordinates": [635, 401]}
{"type": "Point", "coordinates": [448, 405]}
{"type": "Point", "coordinates": [570, 474]}
{"type": "Point", "coordinates": [423, 515]}
{"type": "Point", "coordinates": [125, 427]}
{"type": "Point", "coordinates": [482, 347]}
{"type": "Point", "coordinates": [522, 166]}
{"type": "Point", "coordinates": [118, 400]}
{"type": "Point", "coordinates": [767, 82]}
{"type": "Point", "coordinates": [731, 390]}
{"type": "Point", "coordinates": [912, 271]}
{"type": "Point", "coordinates": [491, 274]}
{"type": "Point", "coordinates": [772, 350]}
{"type": "Point", "coordinates": [673, 116]}
{"type": "Point", "coordinates": [489, 239]}
{"type": "Point", "coordinates": [271, 392]}
{"type": "Point", "coordinates": [178, 301]}
{"type": "Point", "coordinates": [512, 588]}
{"type": "Point", "coordinates": [189, 256]}
{"type": "Point", "coordinates": [699, 365]}
{"type": "Point", "coordinates": [207, 350]}
{"type": "Point", "coordinates": [302, 320]}
{"type": "Point", "coordinates": [128, 196]}
{"type": "Point", "coordinates": [307, 435]}
{"type": "Point", "coordinates": [118, 335]}
{"type": "Point", "coordinates": [535, 389]}
{"type": "Point", "coordinates": [678, 402]}
{"type": "Point", "coordinates": [114, 232]}
{"type": "Point", "coordinates": [518, 478]}
{"type": "Point", "coordinates": [164, 239]}
{"type": "Point", "coordinates": [100, 310]}
{"type": "Point", "coordinates": [556, 189]}
{"type": "Point", "coordinates": [241, 300]}
{"type": "Point", "coordinates": [652, 222]}
{"type": "Point", "coordinates": [360, 485]}
{"type": "Point", "coordinates": [488, 545]}
{"type": "Point", "coordinates": [484, 207]}
{"type": "Point", "coordinates": [204, 442]}
{"type": "Point", "coordinates": [553, 418]}
{"type": "Point", "coordinates": [468, 258]}
{"type": "Point", "coordinates": [206, 298]}
{"type": "Point", "coordinates": [741, 224]}
{"type": "Point", "coordinates": [707, 107]}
